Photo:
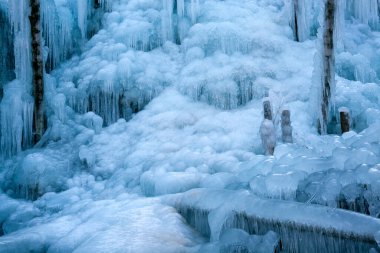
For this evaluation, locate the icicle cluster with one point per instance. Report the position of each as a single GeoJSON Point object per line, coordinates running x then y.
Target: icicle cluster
{"type": "Point", "coordinates": [16, 107]}
{"type": "Point", "coordinates": [16, 118]}
{"type": "Point", "coordinates": [67, 23]}
{"type": "Point", "coordinates": [110, 99]}
{"type": "Point", "coordinates": [64, 24]}
{"type": "Point", "coordinates": [366, 11]}
{"type": "Point", "coordinates": [178, 16]}
{"type": "Point", "coordinates": [19, 12]}
{"type": "Point", "coordinates": [227, 89]}
{"type": "Point", "coordinates": [303, 18]}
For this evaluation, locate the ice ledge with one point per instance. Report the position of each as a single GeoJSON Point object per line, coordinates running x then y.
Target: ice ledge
{"type": "Point", "coordinates": [301, 227]}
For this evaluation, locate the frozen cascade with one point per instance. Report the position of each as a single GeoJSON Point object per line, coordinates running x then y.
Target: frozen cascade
{"type": "Point", "coordinates": [82, 16]}
{"type": "Point", "coordinates": [110, 104]}
{"type": "Point", "coordinates": [167, 20]}
{"type": "Point", "coordinates": [307, 13]}
{"type": "Point", "coordinates": [60, 30]}
{"type": "Point", "coordinates": [303, 17]}
{"type": "Point", "coordinates": [232, 54]}
{"type": "Point", "coordinates": [18, 11]}
{"type": "Point", "coordinates": [229, 90]}
{"type": "Point", "coordinates": [338, 231]}
{"type": "Point", "coordinates": [59, 35]}
{"type": "Point", "coordinates": [16, 109]}
{"type": "Point", "coordinates": [89, 14]}
{"type": "Point", "coordinates": [16, 113]}
{"type": "Point", "coordinates": [110, 97]}
{"type": "Point", "coordinates": [367, 11]}
{"type": "Point", "coordinates": [6, 50]}
{"type": "Point", "coordinates": [178, 16]}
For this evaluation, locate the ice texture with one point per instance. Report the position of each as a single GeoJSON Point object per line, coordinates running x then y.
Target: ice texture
{"type": "Point", "coordinates": [149, 100]}
{"type": "Point", "coordinates": [61, 39]}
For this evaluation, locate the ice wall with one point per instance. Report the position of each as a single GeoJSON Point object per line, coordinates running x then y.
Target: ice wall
{"type": "Point", "coordinates": [125, 65]}
{"type": "Point", "coordinates": [66, 25]}
{"type": "Point", "coordinates": [304, 15]}
{"type": "Point", "coordinates": [18, 13]}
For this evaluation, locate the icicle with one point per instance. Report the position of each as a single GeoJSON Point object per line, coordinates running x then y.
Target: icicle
{"type": "Point", "coordinates": [176, 16]}
{"type": "Point", "coordinates": [180, 8]}
{"type": "Point", "coordinates": [16, 119]}
{"type": "Point", "coordinates": [298, 232]}
{"type": "Point", "coordinates": [27, 119]}
{"type": "Point", "coordinates": [59, 106]}
{"type": "Point", "coordinates": [300, 19]}
{"type": "Point", "coordinates": [6, 50]}
{"type": "Point", "coordinates": [194, 10]}
{"type": "Point", "coordinates": [58, 27]}
{"type": "Point", "coordinates": [106, 4]}
{"type": "Point", "coordinates": [19, 11]}
{"type": "Point", "coordinates": [105, 103]}
{"type": "Point", "coordinates": [167, 20]}
{"type": "Point", "coordinates": [339, 28]}
{"type": "Point", "coordinates": [367, 11]}
{"type": "Point", "coordinates": [82, 16]}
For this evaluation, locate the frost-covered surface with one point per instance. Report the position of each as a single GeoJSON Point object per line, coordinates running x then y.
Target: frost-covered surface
{"type": "Point", "coordinates": [196, 76]}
